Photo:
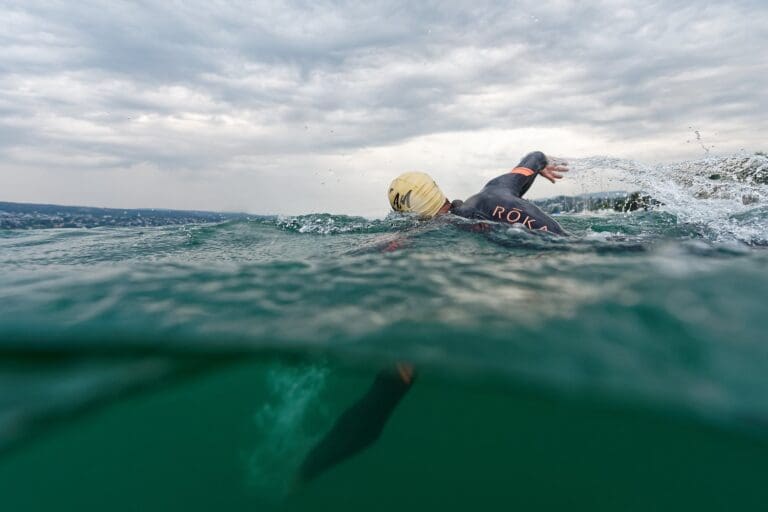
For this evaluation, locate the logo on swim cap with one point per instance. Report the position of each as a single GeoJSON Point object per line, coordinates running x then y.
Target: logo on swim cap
{"type": "Point", "coordinates": [402, 203]}
{"type": "Point", "coordinates": [416, 192]}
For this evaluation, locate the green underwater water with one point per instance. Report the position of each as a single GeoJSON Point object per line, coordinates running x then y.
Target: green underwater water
{"type": "Point", "coordinates": [192, 365]}
{"type": "Point", "coordinates": [451, 444]}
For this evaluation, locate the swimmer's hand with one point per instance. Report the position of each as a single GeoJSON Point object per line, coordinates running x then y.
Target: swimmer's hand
{"type": "Point", "coordinates": [554, 169]}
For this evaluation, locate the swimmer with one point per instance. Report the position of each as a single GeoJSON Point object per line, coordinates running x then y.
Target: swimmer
{"type": "Point", "coordinates": [500, 200]}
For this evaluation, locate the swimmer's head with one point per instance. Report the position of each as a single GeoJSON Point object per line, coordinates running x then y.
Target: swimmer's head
{"type": "Point", "coordinates": [416, 192]}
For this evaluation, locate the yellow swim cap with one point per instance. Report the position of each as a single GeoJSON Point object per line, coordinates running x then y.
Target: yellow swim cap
{"type": "Point", "coordinates": [416, 192]}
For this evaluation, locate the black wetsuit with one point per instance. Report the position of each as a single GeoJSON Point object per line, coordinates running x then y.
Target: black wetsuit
{"type": "Point", "coordinates": [501, 199]}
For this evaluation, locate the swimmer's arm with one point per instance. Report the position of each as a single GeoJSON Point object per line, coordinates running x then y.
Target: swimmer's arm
{"type": "Point", "coordinates": [361, 424]}
{"type": "Point", "coordinates": [387, 243]}
{"type": "Point", "coordinates": [520, 179]}
{"type": "Point", "coordinates": [391, 242]}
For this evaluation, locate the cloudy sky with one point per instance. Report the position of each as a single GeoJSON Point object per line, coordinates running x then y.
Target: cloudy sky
{"type": "Point", "coordinates": [298, 107]}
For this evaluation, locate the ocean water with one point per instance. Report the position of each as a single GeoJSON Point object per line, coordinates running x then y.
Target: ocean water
{"type": "Point", "coordinates": [155, 360]}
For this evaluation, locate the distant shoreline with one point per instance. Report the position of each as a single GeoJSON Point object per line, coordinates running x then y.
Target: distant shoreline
{"type": "Point", "coordinates": [52, 216]}
{"type": "Point", "coordinates": [42, 216]}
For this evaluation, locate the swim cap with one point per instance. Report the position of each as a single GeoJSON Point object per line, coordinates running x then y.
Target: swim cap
{"type": "Point", "coordinates": [416, 192]}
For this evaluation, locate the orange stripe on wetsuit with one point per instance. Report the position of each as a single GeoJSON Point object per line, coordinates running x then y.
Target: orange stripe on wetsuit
{"type": "Point", "coordinates": [522, 170]}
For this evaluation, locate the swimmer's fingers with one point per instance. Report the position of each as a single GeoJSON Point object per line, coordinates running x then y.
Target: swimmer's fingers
{"type": "Point", "coordinates": [558, 167]}
{"type": "Point", "coordinates": [554, 172]}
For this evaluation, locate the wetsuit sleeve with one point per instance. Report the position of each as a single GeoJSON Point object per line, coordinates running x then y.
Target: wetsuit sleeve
{"type": "Point", "coordinates": [360, 425]}
{"type": "Point", "coordinates": [520, 179]}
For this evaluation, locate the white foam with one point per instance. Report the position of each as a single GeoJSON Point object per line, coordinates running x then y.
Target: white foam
{"type": "Point", "coordinates": [713, 193]}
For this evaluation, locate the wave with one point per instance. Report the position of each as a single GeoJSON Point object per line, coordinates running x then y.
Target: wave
{"type": "Point", "coordinates": [620, 309]}
{"type": "Point", "coordinates": [714, 193]}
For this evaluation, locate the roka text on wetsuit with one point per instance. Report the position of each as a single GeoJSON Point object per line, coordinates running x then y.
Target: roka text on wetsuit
{"type": "Point", "coordinates": [501, 199]}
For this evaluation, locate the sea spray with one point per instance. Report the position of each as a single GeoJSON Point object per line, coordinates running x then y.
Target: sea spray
{"type": "Point", "coordinates": [722, 195]}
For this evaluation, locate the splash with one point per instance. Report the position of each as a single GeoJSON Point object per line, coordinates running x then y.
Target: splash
{"type": "Point", "coordinates": [725, 197]}
{"type": "Point", "coordinates": [327, 224]}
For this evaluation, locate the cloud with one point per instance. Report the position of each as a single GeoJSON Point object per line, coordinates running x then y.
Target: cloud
{"type": "Point", "coordinates": [255, 105]}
